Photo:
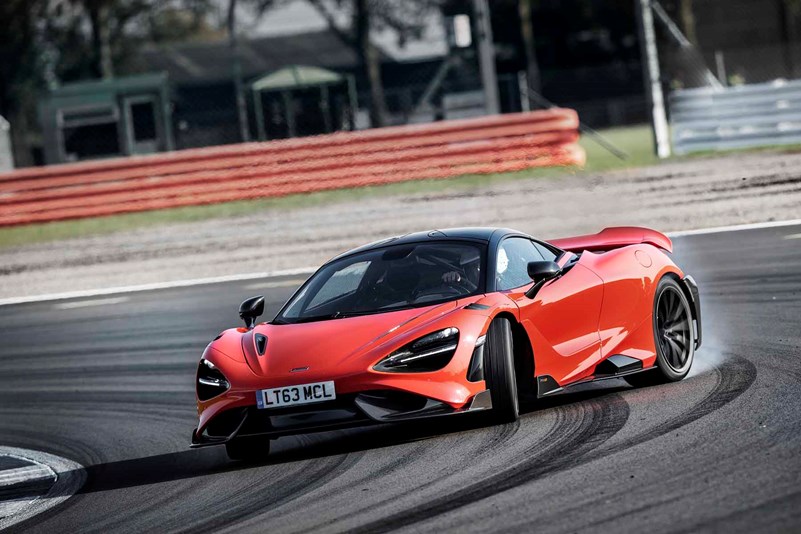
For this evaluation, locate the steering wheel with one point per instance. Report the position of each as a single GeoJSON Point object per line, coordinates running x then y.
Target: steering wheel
{"type": "Point", "coordinates": [462, 283]}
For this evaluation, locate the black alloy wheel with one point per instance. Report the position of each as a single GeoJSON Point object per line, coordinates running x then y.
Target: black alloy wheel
{"type": "Point", "coordinates": [673, 337]}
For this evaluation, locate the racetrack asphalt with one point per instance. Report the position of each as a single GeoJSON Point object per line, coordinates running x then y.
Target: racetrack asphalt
{"type": "Point", "coordinates": [108, 382]}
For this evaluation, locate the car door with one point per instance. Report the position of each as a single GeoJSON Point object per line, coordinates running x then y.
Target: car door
{"type": "Point", "coordinates": [625, 326]}
{"type": "Point", "coordinates": [562, 318]}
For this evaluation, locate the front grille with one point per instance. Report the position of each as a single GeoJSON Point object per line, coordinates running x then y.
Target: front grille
{"type": "Point", "coordinates": [343, 412]}
{"type": "Point", "coordinates": [309, 418]}
{"type": "Point", "coordinates": [225, 423]}
{"type": "Point", "coordinates": [394, 401]}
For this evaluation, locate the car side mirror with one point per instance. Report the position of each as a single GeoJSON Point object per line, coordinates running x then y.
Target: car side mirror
{"type": "Point", "coordinates": [251, 309]}
{"type": "Point", "coordinates": [541, 272]}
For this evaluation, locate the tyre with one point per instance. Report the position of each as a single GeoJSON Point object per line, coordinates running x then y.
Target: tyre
{"type": "Point", "coordinates": [673, 336]}
{"type": "Point", "coordinates": [248, 449]}
{"type": "Point", "coordinates": [499, 371]}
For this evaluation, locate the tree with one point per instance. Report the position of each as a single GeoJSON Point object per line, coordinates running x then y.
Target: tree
{"type": "Point", "coordinates": [118, 27]}
{"type": "Point", "coordinates": [369, 58]}
{"type": "Point", "coordinates": [20, 72]}
{"type": "Point", "coordinates": [406, 18]}
{"type": "Point", "coordinates": [241, 105]}
{"type": "Point", "coordinates": [791, 11]}
{"type": "Point", "coordinates": [49, 42]}
{"type": "Point", "coordinates": [688, 20]}
{"type": "Point", "coordinates": [529, 45]}
{"type": "Point", "coordinates": [98, 11]}
{"type": "Point", "coordinates": [259, 8]}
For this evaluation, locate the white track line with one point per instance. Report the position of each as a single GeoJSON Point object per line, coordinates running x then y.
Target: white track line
{"type": "Point", "coordinates": [735, 228]}
{"type": "Point", "coordinates": [158, 285]}
{"type": "Point", "coordinates": [88, 303]}
{"type": "Point", "coordinates": [69, 477]}
{"type": "Point", "coordinates": [309, 270]}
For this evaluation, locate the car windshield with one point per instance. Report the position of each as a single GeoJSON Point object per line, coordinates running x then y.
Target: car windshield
{"type": "Point", "coordinates": [388, 279]}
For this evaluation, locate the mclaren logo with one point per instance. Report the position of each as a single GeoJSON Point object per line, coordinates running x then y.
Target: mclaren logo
{"type": "Point", "coordinates": [299, 369]}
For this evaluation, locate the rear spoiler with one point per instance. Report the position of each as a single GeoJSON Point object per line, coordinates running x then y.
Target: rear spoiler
{"type": "Point", "coordinates": [615, 237]}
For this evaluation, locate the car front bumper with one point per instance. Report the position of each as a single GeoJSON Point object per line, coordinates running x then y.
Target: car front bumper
{"type": "Point", "coordinates": [347, 411]}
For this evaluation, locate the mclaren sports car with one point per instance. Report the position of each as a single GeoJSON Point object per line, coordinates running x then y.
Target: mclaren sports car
{"type": "Point", "coordinates": [445, 323]}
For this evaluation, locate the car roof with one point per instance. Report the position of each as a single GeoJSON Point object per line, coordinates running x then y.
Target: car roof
{"type": "Point", "coordinates": [480, 234]}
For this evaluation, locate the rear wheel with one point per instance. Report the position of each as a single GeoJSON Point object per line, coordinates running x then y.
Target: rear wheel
{"type": "Point", "coordinates": [248, 449]}
{"type": "Point", "coordinates": [499, 371]}
{"type": "Point", "coordinates": [673, 336]}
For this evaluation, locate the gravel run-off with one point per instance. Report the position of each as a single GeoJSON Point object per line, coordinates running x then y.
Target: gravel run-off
{"type": "Point", "coordinates": [698, 193]}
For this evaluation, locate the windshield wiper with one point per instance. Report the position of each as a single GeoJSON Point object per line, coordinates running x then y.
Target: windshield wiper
{"type": "Point", "coordinates": [343, 315]}
{"type": "Point", "coordinates": [337, 315]}
{"type": "Point", "coordinates": [326, 317]}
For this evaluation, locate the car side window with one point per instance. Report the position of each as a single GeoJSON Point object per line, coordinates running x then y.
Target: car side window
{"type": "Point", "coordinates": [547, 254]}
{"type": "Point", "coordinates": [514, 255]}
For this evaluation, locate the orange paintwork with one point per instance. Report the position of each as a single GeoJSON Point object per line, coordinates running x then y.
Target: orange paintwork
{"type": "Point", "coordinates": [562, 322]}
{"type": "Point", "coordinates": [347, 349]}
{"type": "Point", "coordinates": [602, 305]}
{"type": "Point", "coordinates": [615, 237]}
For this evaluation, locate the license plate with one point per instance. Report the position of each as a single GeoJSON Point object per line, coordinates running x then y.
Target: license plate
{"type": "Point", "coordinates": [295, 395]}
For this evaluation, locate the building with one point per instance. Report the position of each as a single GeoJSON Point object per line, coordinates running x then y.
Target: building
{"type": "Point", "coordinates": [293, 35]}
{"type": "Point", "coordinates": [105, 118]}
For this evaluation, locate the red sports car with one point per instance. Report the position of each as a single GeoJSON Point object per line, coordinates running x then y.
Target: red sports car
{"type": "Point", "coordinates": [448, 322]}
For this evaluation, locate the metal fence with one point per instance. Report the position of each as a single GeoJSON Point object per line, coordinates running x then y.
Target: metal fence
{"type": "Point", "coordinates": [744, 116]}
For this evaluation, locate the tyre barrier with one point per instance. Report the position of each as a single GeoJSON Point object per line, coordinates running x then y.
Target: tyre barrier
{"type": "Point", "coordinates": [501, 143]}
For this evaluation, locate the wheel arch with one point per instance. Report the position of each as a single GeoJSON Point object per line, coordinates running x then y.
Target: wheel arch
{"type": "Point", "coordinates": [523, 354]}
{"type": "Point", "coordinates": [670, 270]}
{"type": "Point", "coordinates": [692, 300]}
{"type": "Point", "coordinates": [684, 289]}
{"type": "Point", "coordinates": [675, 276]}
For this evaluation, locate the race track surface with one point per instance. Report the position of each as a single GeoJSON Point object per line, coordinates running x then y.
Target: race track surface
{"type": "Point", "coordinates": [108, 382]}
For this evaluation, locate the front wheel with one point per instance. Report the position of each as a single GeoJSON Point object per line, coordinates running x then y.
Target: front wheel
{"type": "Point", "coordinates": [673, 336]}
{"type": "Point", "coordinates": [499, 371]}
{"type": "Point", "coordinates": [248, 448]}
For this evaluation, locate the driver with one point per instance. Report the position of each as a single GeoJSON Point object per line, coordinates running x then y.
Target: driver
{"type": "Point", "coordinates": [451, 277]}
{"type": "Point", "coordinates": [468, 278]}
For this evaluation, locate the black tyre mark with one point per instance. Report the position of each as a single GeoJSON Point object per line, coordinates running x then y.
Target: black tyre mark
{"type": "Point", "coordinates": [388, 470]}
{"type": "Point", "coordinates": [734, 377]}
{"type": "Point", "coordinates": [497, 434]}
{"type": "Point", "coordinates": [585, 427]}
{"type": "Point", "coordinates": [253, 499]}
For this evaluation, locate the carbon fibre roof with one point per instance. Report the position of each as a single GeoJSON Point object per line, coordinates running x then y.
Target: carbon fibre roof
{"type": "Point", "coordinates": [482, 234]}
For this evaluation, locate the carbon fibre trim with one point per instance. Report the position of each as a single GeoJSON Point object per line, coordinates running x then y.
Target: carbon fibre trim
{"type": "Point", "coordinates": [693, 295]}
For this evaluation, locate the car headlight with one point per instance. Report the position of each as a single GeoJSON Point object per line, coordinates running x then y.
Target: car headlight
{"type": "Point", "coordinates": [210, 381]}
{"type": "Point", "coordinates": [428, 353]}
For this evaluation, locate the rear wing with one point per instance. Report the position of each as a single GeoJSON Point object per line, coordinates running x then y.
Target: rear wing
{"type": "Point", "coordinates": [615, 237]}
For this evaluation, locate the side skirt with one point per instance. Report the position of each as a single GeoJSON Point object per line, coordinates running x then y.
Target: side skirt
{"type": "Point", "coordinates": [615, 366]}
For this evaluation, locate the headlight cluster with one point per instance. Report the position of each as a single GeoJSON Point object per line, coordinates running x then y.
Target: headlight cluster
{"type": "Point", "coordinates": [428, 353]}
{"type": "Point", "coordinates": [210, 381]}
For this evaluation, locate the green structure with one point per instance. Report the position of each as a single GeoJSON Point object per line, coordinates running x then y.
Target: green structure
{"type": "Point", "coordinates": [302, 100]}
{"type": "Point", "coordinates": [107, 118]}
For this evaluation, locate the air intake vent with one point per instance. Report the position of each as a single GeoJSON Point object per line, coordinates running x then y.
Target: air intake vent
{"type": "Point", "coordinates": [261, 343]}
